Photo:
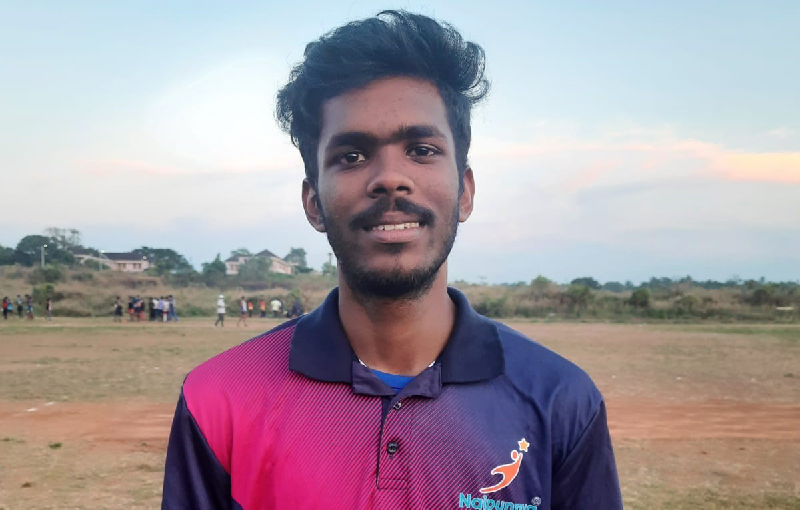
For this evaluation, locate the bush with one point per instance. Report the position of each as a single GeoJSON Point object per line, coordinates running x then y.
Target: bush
{"type": "Point", "coordinates": [44, 292]}
{"type": "Point", "coordinates": [687, 304]}
{"type": "Point", "coordinates": [493, 307]}
{"type": "Point", "coordinates": [51, 274]}
{"type": "Point", "coordinates": [579, 297]}
{"type": "Point", "coordinates": [640, 298]}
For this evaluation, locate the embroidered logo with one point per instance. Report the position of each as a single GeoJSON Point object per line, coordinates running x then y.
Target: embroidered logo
{"type": "Point", "coordinates": [508, 471]}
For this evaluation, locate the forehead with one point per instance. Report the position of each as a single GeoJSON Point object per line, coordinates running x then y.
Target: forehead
{"type": "Point", "coordinates": [382, 106]}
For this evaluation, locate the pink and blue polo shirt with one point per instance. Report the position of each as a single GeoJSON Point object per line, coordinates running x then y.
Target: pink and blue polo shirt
{"type": "Point", "coordinates": [291, 420]}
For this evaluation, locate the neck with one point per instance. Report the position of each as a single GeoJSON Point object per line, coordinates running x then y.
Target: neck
{"type": "Point", "coordinates": [400, 337]}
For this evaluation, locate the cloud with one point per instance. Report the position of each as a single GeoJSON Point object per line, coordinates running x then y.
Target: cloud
{"type": "Point", "coordinates": [781, 133]}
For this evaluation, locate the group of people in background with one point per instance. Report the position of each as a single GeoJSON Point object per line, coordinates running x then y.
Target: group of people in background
{"type": "Point", "coordinates": [24, 307]}
{"type": "Point", "coordinates": [246, 308]}
{"type": "Point", "coordinates": [154, 309]}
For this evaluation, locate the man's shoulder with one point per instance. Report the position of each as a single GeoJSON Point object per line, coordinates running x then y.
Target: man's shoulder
{"type": "Point", "coordinates": [258, 360]}
{"type": "Point", "coordinates": [541, 373]}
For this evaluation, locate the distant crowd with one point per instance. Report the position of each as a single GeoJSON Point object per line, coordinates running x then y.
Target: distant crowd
{"type": "Point", "coordinates": [24, 308]}
{"type": "Point", "coordinates": [246, 308]}
{"type": "Point", "coordinates": [159, 309]}
{"type": "Point", "coordinates": [154, 309]}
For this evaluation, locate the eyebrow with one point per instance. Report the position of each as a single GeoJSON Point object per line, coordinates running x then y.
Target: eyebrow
{"type": "Point", "coordinates": [366, 139]}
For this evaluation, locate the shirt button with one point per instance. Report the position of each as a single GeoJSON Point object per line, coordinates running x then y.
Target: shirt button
{"type": "Point", "coordinates": [397, 406]}
{"type": "Point", "coordinates": [392, 448]}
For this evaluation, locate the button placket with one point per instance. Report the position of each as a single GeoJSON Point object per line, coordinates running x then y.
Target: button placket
{"type": "Point", "coordinates": [393, 468]}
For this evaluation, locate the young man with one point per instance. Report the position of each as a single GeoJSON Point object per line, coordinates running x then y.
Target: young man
{"type": "Point", "coordinates": [242, 312]}
{"type": "Point", "coordinates": [117, 310]}
{"type": "Point", "coordinates": [393, 393]}
{"type": "Point", "coordinates": [220, 311]}
{"type": "Point", "coordinates": [275, 305]}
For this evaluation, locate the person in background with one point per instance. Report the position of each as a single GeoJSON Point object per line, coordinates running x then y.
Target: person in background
{"type": "Point", "coordinates": [117, 310]}
{"type": "Point", "coordinates": [152, 304]}
{"type": "Point", "coordinates": [220, 311]}
{"type": "Point", "coordinates": [173, 314]}
{"type": "Point", "coordinates": [276, 306]}
{"type": "Point", "coordinates": [29, 306]}
{"type": "Point", "coordinates": [5, 308]}
{"type": "Point", "coordinates": [49, 309]}
{"type": "Point", "coordinates": [19, 306]}
{"type": "Point", "coordinates": [242, 312]}
{"type": "Point", "coordinates": [164, 309]}
{"type": "Point", "coordinates": [297, 308]}
{"type": "Point", "coordinates": [130, 308]}
{"type": "Point", "coordinates": [263, 306]}
{"type": "Point", "coordinates": [159, 310]}
{"type": "Point", "coordinates": [250, 309]}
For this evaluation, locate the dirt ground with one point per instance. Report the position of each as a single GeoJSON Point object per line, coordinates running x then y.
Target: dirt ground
{"type": "Point", "coordinates": [700, 416]}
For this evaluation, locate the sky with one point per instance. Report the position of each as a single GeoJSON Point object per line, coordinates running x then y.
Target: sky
{"type": "Point", "coordinates": [620, 140]}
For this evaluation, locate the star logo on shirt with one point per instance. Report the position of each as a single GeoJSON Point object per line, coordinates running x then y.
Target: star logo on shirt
{"type": "Point", "coordinates": [523, 445]}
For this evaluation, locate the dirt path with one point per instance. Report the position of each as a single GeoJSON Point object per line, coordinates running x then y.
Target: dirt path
{"type": "Point", "coordinates": [126, 426]}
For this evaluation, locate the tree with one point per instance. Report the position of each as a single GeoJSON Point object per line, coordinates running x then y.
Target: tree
{"type": "Point", "coordinates": [298, 257]}
{"type": "Point", "coordinates": [215, 266]}
{"type": "Point", "coordinates": [613, 287]}
{"type": "Point", "coordinates": [540, 284]}
{"type": "Point", "coordinates": [214, 272]}
{"type": "Point", "coordinates": [64, 238]}
{"type": "Point", "coordinates": [329, 268]}
{"type": "Point", "coordinates": [241, 252]}
{"type": "Point", "coordinates": [579, 296]}
{"type": "Point", "coordinates": [29, 249]}
{"type": "Point", "coordinates": [255, 269]}
{"type": "Point", "coordinates": [586, 281]}
{"type": "Point", "coordinates": [165, 260]}
{"type": "Point", "coordinates": [7, 256]}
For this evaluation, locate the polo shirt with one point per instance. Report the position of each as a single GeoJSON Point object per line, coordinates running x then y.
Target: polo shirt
{"type": "Point", "coordinates": [291, 420]}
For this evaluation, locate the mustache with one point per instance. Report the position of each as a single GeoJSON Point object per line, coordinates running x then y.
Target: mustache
{"type": "Point", "coordinates": [372, 215]}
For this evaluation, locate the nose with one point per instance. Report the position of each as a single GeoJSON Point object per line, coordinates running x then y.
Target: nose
{"type": "Point", "coordinates": [388, 176]}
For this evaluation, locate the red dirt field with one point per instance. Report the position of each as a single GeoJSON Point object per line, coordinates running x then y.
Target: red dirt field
{"type": "Point", "coordinates": [701, 417]}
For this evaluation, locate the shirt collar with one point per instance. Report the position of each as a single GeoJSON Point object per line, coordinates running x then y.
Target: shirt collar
{"type": "Point", "coordinates": [320, 350]}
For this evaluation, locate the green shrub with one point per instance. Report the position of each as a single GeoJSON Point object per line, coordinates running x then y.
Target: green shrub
{"type": "Point", "coordinates": [50, 274]}
{"type": "Point", "coordinates": [640, 298]}
{"type": "Point", "coordinates": [44, 292]}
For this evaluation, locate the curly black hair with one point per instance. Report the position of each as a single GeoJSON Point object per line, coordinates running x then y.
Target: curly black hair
{"type": "Point", "coordinates": [392, 43]}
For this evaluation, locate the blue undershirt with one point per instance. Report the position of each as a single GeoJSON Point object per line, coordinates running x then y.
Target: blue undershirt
{"type": "Point", "coordinates": [395, 382]}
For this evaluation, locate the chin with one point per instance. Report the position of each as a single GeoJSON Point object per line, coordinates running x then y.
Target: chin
{"type": "Point", "coordinates": [394, 283]}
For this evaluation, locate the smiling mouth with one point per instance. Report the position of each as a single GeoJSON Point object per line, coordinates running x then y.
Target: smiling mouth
{"type": "Point", "coordinates": [394, 226]}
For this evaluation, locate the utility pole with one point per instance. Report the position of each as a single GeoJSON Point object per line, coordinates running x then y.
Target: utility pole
{"type": "Point", "coordinates": [42, 250]}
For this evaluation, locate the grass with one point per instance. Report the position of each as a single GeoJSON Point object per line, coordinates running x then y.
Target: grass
{"type": "Point", "coordinates": [786, 334]}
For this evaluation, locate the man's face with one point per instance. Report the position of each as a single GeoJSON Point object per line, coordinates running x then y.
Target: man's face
{"type": "Point", "coordinates": [388, 186]}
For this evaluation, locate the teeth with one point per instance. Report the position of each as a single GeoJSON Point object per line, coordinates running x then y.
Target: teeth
{"type": "Point", "coordinates": [398, 226]}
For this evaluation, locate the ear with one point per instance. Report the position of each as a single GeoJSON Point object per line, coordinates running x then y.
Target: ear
{"type": "Point", "coordinates": [312, 206]}
{"type": "Point", "coordinates": [467, 195]}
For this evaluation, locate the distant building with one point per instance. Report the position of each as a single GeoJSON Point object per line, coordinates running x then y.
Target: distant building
{"type": "Point", "coordinates": [126, 262]}
{"type": "Point", "coordinates": [278, 265]}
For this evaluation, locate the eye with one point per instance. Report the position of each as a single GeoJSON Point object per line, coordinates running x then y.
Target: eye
{"type": "Point", "coordinates": [423, 151]}
{"type": "Point", "coordinates": [352, 158]}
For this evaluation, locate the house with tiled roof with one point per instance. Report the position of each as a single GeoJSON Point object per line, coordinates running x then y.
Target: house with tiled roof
{"type": "Point", "coordinates": [125, 262]}
{"type": "Point", "coordinates": [278, 265]}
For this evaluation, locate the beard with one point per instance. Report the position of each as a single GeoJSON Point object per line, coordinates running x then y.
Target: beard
{"type": "Point", "coordinates": [395, 284]}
